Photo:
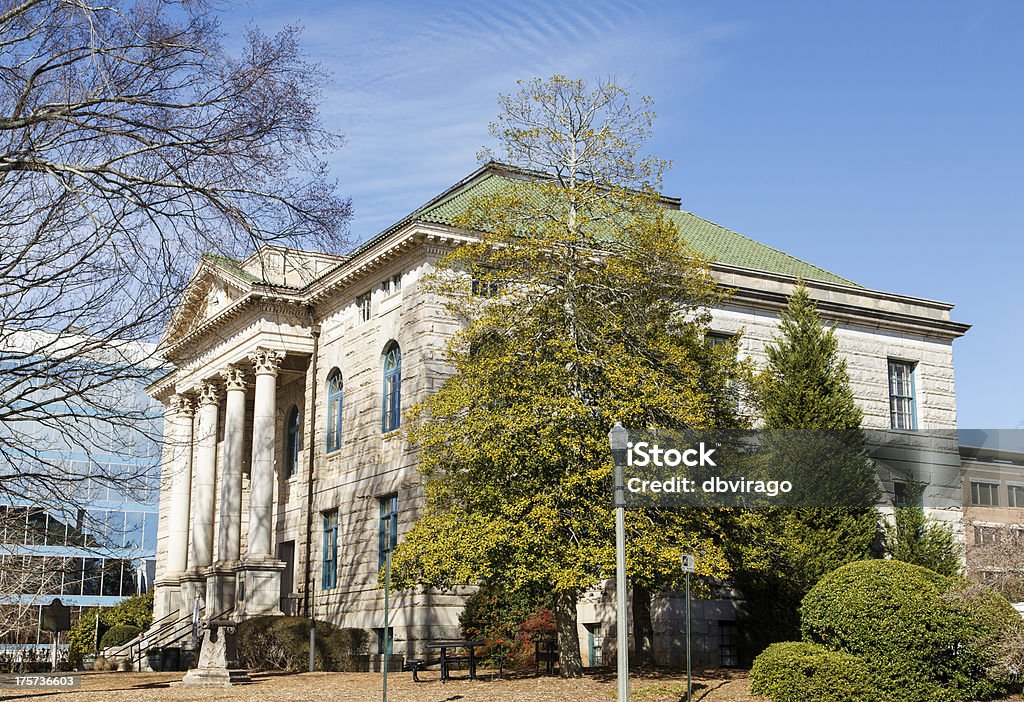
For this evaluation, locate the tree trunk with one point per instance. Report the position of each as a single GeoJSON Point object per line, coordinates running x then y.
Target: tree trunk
{"type": "Point", "coordinates": [643, 626]}
{"type": "Point", "coordinates": [569, 661]}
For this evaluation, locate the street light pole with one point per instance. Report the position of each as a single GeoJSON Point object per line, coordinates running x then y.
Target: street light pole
{"type": "Point", "coordinates": [619, 438]}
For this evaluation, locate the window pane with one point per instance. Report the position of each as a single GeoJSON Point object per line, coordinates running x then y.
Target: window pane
{"type": "Point", "coordinates": [93, 573]}
{"type": "Point", "coordinates": [111, 578]}
{"type": "Point", "coordinates": [1016, 496]}
{"type": "Point", "coordinates": [133, 529]}
{"type": "Point", "coordinates": [73, 577]}
{"type": "Point", "coordinates": [150, 531]}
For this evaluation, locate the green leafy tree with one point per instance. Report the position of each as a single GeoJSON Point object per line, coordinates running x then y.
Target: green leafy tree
{"type": "Point", "coordinates": [588, 309]}
{"type": "Point", "coordinates": [804, 393]}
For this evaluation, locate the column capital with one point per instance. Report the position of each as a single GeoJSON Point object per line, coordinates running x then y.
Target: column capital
{"type": "Point", "coordinates": [209, 393]}
{"type": "Point", "coordinates": [234, 378]}
{"type": "Point", "coordinates": [182, 405]}
{"type": "Point", "coordinates": [266, 361]}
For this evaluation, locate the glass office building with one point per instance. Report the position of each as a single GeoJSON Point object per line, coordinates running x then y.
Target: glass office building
{"type": "Point", "coordinates": [88, 535]}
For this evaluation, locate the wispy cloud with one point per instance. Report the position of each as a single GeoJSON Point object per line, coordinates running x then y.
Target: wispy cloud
{"type": "Point", "coordinates": [415, 84]}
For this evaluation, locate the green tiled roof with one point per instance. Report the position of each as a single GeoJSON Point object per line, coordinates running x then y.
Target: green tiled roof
{"type": "Point", "coordinates": [231, 266]}
{"type": "Point", "coordinates": [705, 238]}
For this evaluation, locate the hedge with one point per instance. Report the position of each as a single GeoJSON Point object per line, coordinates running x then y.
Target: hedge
{"type": "Point", "coordinates": [119, 635]}
{"type": "Point", "coordinates": [282, 643]}
{"type": "Point", "coordinates": [927, 637]}
{"type": "Point", "coordinates": [805, 672]}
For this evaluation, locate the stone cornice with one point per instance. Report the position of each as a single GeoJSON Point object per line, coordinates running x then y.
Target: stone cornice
{"type": "Point", "coordinates": [752, 288]}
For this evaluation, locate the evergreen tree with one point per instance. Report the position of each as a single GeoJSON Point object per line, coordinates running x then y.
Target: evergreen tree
{"type": "Point", "coordinates": [812, 425]}
{"type": "Point", "coordinates": [914, 538]}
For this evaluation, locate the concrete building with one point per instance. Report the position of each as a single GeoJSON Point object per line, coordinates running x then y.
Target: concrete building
{"type": "Point", "coordinates": [283, 475]}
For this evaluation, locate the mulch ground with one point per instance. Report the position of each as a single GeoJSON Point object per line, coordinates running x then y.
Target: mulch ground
{"type": "Point", "coordinates": [709, 686]}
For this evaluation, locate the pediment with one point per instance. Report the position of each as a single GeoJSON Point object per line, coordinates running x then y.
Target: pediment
{"type": "Point", "coordinates": [210, 291]}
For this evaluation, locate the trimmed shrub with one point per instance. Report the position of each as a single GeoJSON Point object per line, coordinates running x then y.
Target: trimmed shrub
{"type": "Point", "coordinates": [928, 638]}
{"type": "Point", "coordinates": [136, 611]}
{"type": "Point", "coordinates": [282, 643]}
{"type": "Point", "coordinates": [805, 672]}
{"type": "Point", "coordinates": [119, 635]}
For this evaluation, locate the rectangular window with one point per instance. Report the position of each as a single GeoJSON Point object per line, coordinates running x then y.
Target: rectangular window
{"type": "Point", "coordinates": [985, 494]}
{"type": "Point", "coordinates": [1015, 496]}
{"type": "Point", "coordinates": [717, 339]}
{"type": "Point", "coordinates": [329, 575]}
{"type": "Point", "coordinates": [986, 535]}
{"type": "Point", "coordinates": [901, 395]}
{"type": "Point", "coordinates": [383, 646]}
{"type": "Point", "coordinates": [387, 531]}
{"type": "Point", "coordinates": [392, 284]}
{"type": "Point", "coordinates": [900, 498]}
{"type": "Point", "coordinates": [363, 303]}
{"type": "Point", "coordinates": [484, 288]}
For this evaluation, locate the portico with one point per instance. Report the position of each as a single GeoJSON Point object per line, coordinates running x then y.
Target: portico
{"type": "Point", "coordinates": [204, 463]}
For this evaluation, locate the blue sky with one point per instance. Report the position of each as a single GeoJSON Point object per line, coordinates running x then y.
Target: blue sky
{"type": "Point", "coordinates": [880, 140]}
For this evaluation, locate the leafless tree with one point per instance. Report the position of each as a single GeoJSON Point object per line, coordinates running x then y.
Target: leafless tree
{"type": "Point", "coordinates": [996, 556]}
{"type": "Point", "coordinates": [131, 143]}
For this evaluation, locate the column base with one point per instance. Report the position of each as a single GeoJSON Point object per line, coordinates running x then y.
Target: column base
{"type": "Point", "coordinates": [213, 677]}
{"type": "Point", "coordinates": [167, 597]}
{"type": "Point", "coordinates": [193, 584]}
{"type": "Point", "coordinates": [218, 660]}
{"type": "Point", "coordinates": [220, 590]}
{"type": "Point", "coordinates": [259, 587]}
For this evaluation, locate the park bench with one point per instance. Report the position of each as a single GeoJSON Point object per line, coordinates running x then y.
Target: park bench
{"type": "Point", "coordinates": [447, 660]}
{"type": "Point", "coordinates": [546, 653]}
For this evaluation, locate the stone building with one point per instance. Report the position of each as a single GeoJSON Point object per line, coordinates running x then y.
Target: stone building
{"type": "Point", "coordinates": [993, 496]}
{"type": "Point", "coordinates": [316, 355]}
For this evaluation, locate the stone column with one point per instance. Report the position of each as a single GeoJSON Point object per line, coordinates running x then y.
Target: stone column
{"type": "Point", "coordinates": [200, 555]}
{"type": "Point", "coordinates": [221, 580]}
{"type": "Point", "coordinates": [180, 476]}
{"type": "Point", "coordinates": [176, 486]}
{"type": "Point", "coordinates": [259, 586]}
{"type": "Point", "coordinates": [201, 552]}
{"type": "Point", "coordinates": [229, 534]}
{"type": "Point", "coordinates": [264, 425]}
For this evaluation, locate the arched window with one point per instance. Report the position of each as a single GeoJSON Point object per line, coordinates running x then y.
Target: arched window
{"type": "Point", "coordinates": [391, 414]}
{"type": "Point", "coordinates": [335, 392]}
{"type": "Point", "coordinates": [292, 442]}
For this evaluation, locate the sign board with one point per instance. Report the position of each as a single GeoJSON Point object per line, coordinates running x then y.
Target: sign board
{"type": "Point", "coordinates": [55, 616]}
{"type": "Point", "coordinates": [688, 563]}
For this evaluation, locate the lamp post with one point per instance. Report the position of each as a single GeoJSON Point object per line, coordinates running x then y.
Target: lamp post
{"type": "Point", "coordinates": [619, 438]}
{"type": "Point", "coordinates": [689, 566]}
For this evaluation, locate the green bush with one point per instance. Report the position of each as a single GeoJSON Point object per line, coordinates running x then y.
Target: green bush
{"type": "Point", "coordinates": [119, 635]}
{"type": "Point", "coordinates": [927, 637]}
{"type": "Point", "coordinates": [282, 643]}
{"type": "Point", "coordinates": [136, 611]}
{"type": "Point", "coordinates": [805, 672]}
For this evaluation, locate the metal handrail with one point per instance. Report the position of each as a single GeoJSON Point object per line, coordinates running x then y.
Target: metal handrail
{"type": "Point", "coordinates": [186, 627]}
{"type": "Point", "coordinates": [128, 645]}
{"type": "Point", "coordinates": [120, 649]}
